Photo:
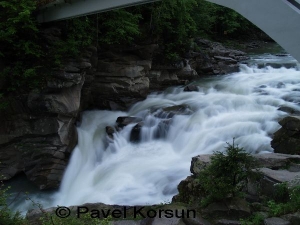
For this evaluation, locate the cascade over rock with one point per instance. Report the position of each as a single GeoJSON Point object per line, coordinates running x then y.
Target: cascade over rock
{"type": "Point", "coordinates": [38, 130]}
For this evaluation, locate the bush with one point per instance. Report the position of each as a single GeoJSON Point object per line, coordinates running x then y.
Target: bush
{"type": "Point", "coordinates": [226, 175]}
{"type": "Point", "coordinates": [256, 219]}
{"type": "Point", "coordinates": [285, 206]}
{"type": "Point", "coordinates": [7, 217]}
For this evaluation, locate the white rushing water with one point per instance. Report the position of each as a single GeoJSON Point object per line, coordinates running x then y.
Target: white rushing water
{"type": "Point", "coordinates": [243, 105]}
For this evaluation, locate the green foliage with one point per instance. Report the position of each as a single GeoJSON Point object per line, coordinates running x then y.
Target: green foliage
{"type": "Point", "coordinates": [7, 217]}
{"type": "Point", "coordinates": [118, 27]}
{"type": "Point", "coordinates": [281, 192]}
{"type": "Point", "coordinates": [226, 175]}
{"type": "Point", "coordinates": [77, 34]}
{"type": "Point", "coordinates": [204, 16]}
{"type": "Point", "coordinates": [27, 58]}
{"type": "Point", "coordinates": [19, 46]}
{"type": "Point", "coordinates": [227, 21]}
{"type": "Point", "coordinates": [255, 219]}
{"type": "Point", "coordinates": [292, 204]}
{"type": "Point", "coordinates": [3, 103]}
{"type": "Point", "coordinates": [172, 21]}
{"type": "Point", "coordinates": [18, 28]}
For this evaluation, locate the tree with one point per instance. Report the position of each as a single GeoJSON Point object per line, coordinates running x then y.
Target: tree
{"type": "Point", "coordinates": [226, 175]}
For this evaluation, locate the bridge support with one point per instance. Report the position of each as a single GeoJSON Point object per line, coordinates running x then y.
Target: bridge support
{"type": "Point", "coordinates": [280, 19]}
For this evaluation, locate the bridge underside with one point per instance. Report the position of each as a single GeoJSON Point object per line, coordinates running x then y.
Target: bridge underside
{"type": "Point", "coordinates": [280, 19]}
{"type": "Point", "coordinates": [65, 9]}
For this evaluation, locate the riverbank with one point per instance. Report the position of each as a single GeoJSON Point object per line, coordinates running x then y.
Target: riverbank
{"type": "Point", "coordinates": [266, 198]}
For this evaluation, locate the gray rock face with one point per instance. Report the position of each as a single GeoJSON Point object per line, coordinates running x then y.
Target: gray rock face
{"type": "Point", "coordinates": [276, 160]}
{"type": "Point", "coordinates": [234, 209]}
{"type": "Point", "coordinates": [293, 218]}
{"type": "Point", "coordinates": [190, 88]}
{"type": "Point", "coordinates": [276, 221]}
{"type": "Point", "coordinates": [287, 139]}
{"type": "Point", "coordinates": [120, 79]}
{"type": "Point", "coordinates": [38, 133]}
{"type": "Point", "coordinates": [217, 59]}
{"type": "Point", "coordinates": [38, 138]}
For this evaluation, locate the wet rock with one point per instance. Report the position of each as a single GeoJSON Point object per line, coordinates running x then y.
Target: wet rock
{"type": "Point", "coordinates": [171, 111]}
{"type": "Point", "coordinates": [276, 160]}
{"type": "Point", "coordinates": [289, 110]}
{"type": "Point", "coordinates": [121, 73]}
{"type": "Point", "coordinates": [272, 177]}
{"type": "Point", "coordinates": [287, 140]}
{"type": "Point", "coordinates": [65, 102]}
{"type": "Point", "coordinates": [38, 130]}
{"type": "Point", "coordinates": [162, 129]}
{"type": "Point", "coordinates": [38, 138]}
{"type": "Point", "coordinates": [276, 221]}
{"type": "Point", "coordinates": [293, 218]}
{"type": "Point", "coordinates": [110, 131]}
{"type": "Point", "coordinates": [280, 85]}
{"type": "Point", "coordinates": [198, 220]}
{"type": "Point", "coordinates": [199, 163]}
{"type": "Point", "coordinates": [188, 191]}
{"type": "Point", "coordinates": [72, 69]}
{"type": "Point", "coordinates": [282, 55]}
{"type": "Point", "coordinates": [135, 135]}
{"type": "Point", "coordinates": [190, 88]}
{"type": "Point", "coordinates": [123, 121]}
{"type": "Point", "coordinates": [292, 97]}
{"type": "Point", "coordinates": [225, 59]}
{"type": "Point", "coordinates": [235, 208]}
{"type": "Point", "coordinates": [227, 222]}
{"type": "Point", "coordinates": [187, 73]}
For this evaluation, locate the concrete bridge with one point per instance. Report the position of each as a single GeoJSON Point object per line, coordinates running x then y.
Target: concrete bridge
{"type": "Point", "coordinates": [280, 19]}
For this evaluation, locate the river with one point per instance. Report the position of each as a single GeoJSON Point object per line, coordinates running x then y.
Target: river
{"type": "Point", "coordinates": [242, 105]}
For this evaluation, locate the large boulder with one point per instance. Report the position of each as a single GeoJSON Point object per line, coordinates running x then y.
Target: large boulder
{"type": "Point", "coordinates": [235, 208]}
{"type": "Point", "coordinates": [287, 139]}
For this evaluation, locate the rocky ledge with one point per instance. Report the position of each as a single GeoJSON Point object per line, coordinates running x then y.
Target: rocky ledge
{"type": "Point", "coordinates": [38, 133]}
{"type": "Point", "coordinates": [275, 168]}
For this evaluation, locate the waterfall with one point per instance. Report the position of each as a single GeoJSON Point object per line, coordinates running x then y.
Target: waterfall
{"type": "Point", "coordinates": [243, 105]}
{"type": "Point", "coordinates": [176, 126]}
